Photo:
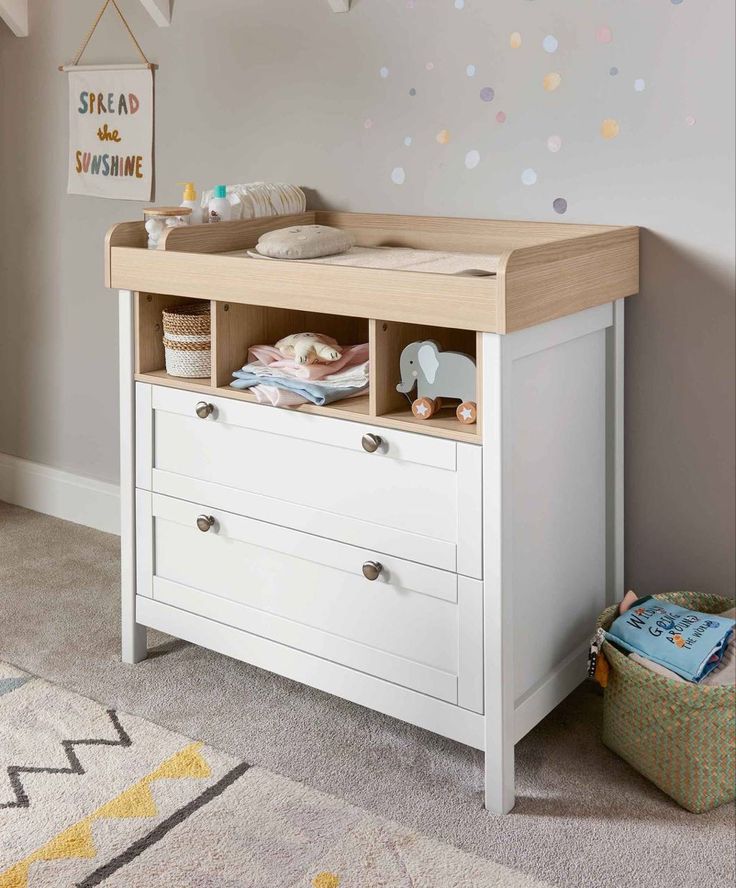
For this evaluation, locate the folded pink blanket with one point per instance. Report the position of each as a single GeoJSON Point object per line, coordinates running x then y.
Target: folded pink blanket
{"type": "Point", "coordinates": [272, 357]}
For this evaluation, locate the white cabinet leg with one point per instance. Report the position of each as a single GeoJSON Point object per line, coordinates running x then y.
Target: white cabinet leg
{"type": "Point", "coordinates": [134, 648]}
{"type": "Point", "coordinates": [500, 793]}
{"type": "Point", "coordinates": [134, 642]}
{"type": "Point", "coordinates": [497, 600]}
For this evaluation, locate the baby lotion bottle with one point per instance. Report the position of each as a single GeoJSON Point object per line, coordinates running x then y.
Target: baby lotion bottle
{"type": "Point", "coordinates": [219, 206]}
{"type": "Point", "coordinates": [189, 199]}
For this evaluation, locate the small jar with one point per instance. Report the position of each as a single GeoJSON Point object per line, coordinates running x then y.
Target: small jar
{"type": "Point", "coordinates": [158, 219]}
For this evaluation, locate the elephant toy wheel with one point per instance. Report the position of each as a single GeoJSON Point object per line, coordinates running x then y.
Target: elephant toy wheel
{"type": "Point", "coordinates": [423, 408]}
{"type": "Point", "coordinates": [467, 413]}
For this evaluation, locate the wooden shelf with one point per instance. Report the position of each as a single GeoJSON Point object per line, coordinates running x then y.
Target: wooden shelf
{"type": "Point", "coordinates": [161, 377]}
{"type": "Point", "coordinates": [354, 409]}
{"type": "Point", "coordinates": [443, 425]}
{"type": "Point", "coordinates": [236, 327]}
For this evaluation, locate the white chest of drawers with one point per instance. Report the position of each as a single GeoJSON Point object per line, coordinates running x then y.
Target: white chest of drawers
{"type": "Point", "coordinates": [450, 579]}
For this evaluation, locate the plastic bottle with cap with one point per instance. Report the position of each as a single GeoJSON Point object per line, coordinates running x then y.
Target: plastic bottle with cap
{"type": "Point", "coordinates": [189, 199]}
{"type": "Point", "coordinates": [219, 206]}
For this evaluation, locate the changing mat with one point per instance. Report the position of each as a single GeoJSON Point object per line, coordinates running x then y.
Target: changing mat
{"type": "Point", "coordinates": [402, 259]}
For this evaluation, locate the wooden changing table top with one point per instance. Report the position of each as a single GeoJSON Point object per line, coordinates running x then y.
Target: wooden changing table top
{"type": "Point", "coordinates": [545, 269]}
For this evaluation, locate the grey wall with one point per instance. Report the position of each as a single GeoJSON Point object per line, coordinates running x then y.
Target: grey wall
{"type": "Point", "coordinates": [286, 90]}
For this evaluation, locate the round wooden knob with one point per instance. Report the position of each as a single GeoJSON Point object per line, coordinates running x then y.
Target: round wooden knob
{"type": "Point", "coordinates": [203, 409]}
{"type": "Point", "coordinates": [371, 443]}
{"type": "Point", "coordinates": [372, 570]}
{"type": "Point", "coordinates": [204, 522]}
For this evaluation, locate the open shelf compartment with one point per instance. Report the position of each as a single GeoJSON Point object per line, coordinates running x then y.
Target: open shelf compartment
{"type": "Point", "coordinates": [237, 326]}
{"type": "Point", "coordinates": [150, 359]}
{"type": "Point", "coordinates": [388, 340]}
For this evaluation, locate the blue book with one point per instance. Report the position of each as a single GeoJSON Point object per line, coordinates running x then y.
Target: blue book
{"type": "Point", "coordinates": [688, 642]}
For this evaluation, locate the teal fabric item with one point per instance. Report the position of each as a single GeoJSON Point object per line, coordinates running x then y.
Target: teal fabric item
{"type": "Point", "coordinates": [688, 642]}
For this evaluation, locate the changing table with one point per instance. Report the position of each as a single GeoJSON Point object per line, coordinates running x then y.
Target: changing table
{"type": "Point", "coordinates": [441, 573]}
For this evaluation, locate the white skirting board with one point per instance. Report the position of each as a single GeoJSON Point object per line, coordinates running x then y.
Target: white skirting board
{"type": "Point", "coordinates": [61, 494]}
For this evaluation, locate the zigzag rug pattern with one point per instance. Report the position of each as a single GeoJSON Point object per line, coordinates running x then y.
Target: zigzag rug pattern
{"type": "Point", "coordinates": [114, 794]}
{"type": "Point", "coordinates": [153, 808]}
{"type": "Point", "coordinates": [77, 841]}
{"type": "Point", "coordinates": [75, 765]}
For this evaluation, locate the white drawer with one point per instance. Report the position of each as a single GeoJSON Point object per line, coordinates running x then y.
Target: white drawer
{"type": "Point", "coordinates": [416, 497]}
{"type": "Point", "coordinates": [414, 625]}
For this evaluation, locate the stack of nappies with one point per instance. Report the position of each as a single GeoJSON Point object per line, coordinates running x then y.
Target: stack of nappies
{"type": "Point", "coordinates": [256, 200]}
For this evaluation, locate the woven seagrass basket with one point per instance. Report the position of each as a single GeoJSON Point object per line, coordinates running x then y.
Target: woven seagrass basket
{"type": "Point", "coordinates": [188, 340]}
{"type": "Point", "coordinates": [681, 736]}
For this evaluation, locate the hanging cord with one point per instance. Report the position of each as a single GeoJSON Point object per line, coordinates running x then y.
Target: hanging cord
{"type": "Point", "coordinates": [92, 30]}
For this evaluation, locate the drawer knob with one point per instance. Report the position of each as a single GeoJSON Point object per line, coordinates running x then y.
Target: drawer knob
{"type": "Point", "coordinates": [204, 409]}
{"type": "Point", "coordinates": [204, 522]}
{"type": "Point", "coordinates": [371, 443]}
{"type": "Point", "coordinates": [372, 570]}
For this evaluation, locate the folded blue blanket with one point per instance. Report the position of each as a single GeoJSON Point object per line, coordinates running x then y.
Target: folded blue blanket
{"type": "Point", "coordinates": [688, 642]}
{"type": "Point", "coordinates": [319, 393]}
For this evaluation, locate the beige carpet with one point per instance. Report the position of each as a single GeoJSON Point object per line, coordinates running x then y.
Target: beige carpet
{"type": "Point", "coordinates": [583, 817]}
{"type": "Point", "coordinates": [92, 796]}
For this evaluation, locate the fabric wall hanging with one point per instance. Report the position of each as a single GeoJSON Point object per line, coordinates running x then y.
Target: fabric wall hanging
{"type": "Point", "coordinates": [111, 124]}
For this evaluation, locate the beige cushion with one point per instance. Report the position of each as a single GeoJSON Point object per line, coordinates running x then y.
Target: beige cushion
{"type": "Point", "coordinates": [304, 242]}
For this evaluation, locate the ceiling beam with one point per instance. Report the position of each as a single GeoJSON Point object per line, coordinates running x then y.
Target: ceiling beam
{"type": "Point", "coordinates": [15, 15]}
{"type": "Point", "coordinates": [159, 10]}
{"type": "Point", "coordinates": [340, 5]}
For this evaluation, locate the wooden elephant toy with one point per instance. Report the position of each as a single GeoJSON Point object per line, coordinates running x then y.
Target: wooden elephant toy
{"type": "Point", "coordinates": [436, 375]}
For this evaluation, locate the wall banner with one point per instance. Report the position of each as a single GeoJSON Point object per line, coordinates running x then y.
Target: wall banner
{"type": "Point", "coordinates": [111, 132]}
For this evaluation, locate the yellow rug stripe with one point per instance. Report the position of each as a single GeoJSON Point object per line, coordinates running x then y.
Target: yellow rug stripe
{"type": "Point", "coordinates": [76, 841]}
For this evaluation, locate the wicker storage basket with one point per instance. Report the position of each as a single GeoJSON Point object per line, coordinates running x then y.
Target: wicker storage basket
{"type": "Point", "coordinates": [188, 340]}
{"type": "Point", "coordinates": [681, 736]}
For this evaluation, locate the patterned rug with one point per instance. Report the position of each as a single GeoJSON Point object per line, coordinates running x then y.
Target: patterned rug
{"type": "Point", "coordinates": [90, 796]}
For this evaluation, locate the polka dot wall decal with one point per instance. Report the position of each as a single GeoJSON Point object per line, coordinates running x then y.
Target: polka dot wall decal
{"type": "Point", "coordinates": [459, 4]}
{"type": "Point", "coordinates": [604, 34]}
{"type": "Point", "coordinates": [640, 85]}
{"type": "Point", "coordinates": [398, 175]}
{"type": "Point", "coordinates": [472, 159]}
{"type": "Point", "coordinates": [690, 120]}
{"type": "Point", "coordinates": [559, 205]}
{"type": "Point", "coordinates": [470, 70]}
{"type": "Point", "coordinates": [676, 2]}
{"type": "Point", "coordinates": [515, 40]}
{"type": "Point", "coordinates": [384, 72]}
{"type": "Point", "coordinates": [408, 140]}
{"type": "Point", "coordinates": [610, 128]}
{"type": "Point", "coordinates": [552, 81]}
{"type": "Point", "coordinates": [550, 44]}
{"type": "Point", "coordinates": [487, 94]}
{"type": "Point", "coordinates": [613, 71]}
{"type": "Point", "coordinates": [443, 136]}
{"type": "Point", "coordinates": [529, 177]}
{"type": "Point", "coordinates": [501, 117]}
{"type": "Point", "coordinates": [412, 91]}
{"type": "Point", "coordinates": [554, 143]}
{"type": "Point", "coordinates": [368, 123]}
{"type": "Point", "coordinates": [429, 66]}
